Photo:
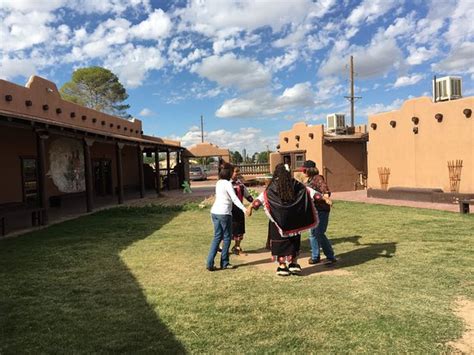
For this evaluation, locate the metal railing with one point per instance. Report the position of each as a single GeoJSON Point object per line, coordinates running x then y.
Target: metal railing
{"type": "Point", "coordinates": [254, 169]}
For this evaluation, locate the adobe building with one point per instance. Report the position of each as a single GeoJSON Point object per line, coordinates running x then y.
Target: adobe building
{"type": "Point", "coordinates": [55, 153]}
{"type": "Point", "coordinates": [340, 157]}
{"type": "Point", "coordinates": [423, 151]}
{"type": "Point", "coordinates": [207, 150]}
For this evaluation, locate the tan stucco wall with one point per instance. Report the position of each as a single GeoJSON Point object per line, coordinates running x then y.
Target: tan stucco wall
{"type": "Point", "coordinates": [43, 92]}
{"type": "Point", "coordinates": [420, 160]}
{"type": "Point", "coordinates": [343, 163]}
{"type": "Point", "coordinates": [312, 146]}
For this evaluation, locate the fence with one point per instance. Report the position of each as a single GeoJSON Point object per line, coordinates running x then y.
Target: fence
{"type": "Point", "coordinates": [254, 169]}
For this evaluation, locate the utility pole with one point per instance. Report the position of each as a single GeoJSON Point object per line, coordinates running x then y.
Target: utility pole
{"type": "Point", "coordinates": [352, 98]}
{"type": "Point", "coordinates": [202, 130]}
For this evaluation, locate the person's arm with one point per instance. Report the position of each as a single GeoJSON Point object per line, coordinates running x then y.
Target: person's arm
{"type": "Point", "coordinates": [247, 195]}
{"type": "Point", "coordinates": [318, 196]}
{"type": "Point", "coordinates": [255, 205]}
{"type": "Point", "coordinates": [230, 190]}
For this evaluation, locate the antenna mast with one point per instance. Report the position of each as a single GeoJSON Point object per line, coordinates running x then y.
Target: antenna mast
{"type": "Point", "coordinates": [352, 98]}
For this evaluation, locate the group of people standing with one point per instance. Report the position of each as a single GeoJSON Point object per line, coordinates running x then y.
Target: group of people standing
{"type": "Point", "coordinates": [291, 208]}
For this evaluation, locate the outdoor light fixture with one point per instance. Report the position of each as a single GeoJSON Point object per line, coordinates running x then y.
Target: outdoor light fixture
{"type": "Point", "coordinates": [58, 110]}
{"type": "Point", "coordinates": [45, 107]}
{"type": "Point", "coordinates": [8, 97]}
{"type": "Point", "coordinates": [393, 124]}
{"type": "Point", "coordinates": [373, 126]}
{"type": "Point", "coordinates": [73, 114]}
{"type": "Point", "coordinates": [467, 112]}
{"type": "Point", "coordinates": [28, 103]}
{"type": "Point", "coordinates": [415, 130]}
{"type": "Point", "coordinates": [439, 117]}
{"type": "Point", "coordinates": [415, 120]}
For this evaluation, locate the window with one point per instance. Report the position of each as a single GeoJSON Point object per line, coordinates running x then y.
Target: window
{"type": "Point", "coordinates": [299, 159]}
{"type": "Point", "coordinates": [29, 172]}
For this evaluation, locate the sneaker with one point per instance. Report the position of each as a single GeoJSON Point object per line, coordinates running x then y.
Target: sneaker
{"type": "Point", "coordinates": [219, 250]}
{"type": "Point", "coordinates": [295, 268]}
{"type": "Point", "coordinates": [228, 266]}
{"type": "Point", "coordinates": [330, 262]}
{"type": "Point", "coordinates": [211, 268]}
{"type": "Point", "coordinates": [283, 271]}
{"type": "Point", "coordinates": [314, 261]}
{"type": "Point", "coordinates": [236, 250]}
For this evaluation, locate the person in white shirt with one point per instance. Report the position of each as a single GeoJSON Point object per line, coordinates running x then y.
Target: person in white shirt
{"type": "Point", "coordinates": [221, 214]}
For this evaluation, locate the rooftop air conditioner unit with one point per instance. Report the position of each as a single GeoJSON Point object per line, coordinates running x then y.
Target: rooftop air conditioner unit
{"type": "Point", "coordinates": [447, 88]}
{"type": "Point", "coordinates": [336, 122]}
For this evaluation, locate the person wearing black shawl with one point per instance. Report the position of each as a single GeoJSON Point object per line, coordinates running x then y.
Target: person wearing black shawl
{"type": "Point", "coordinates": [290, 207]}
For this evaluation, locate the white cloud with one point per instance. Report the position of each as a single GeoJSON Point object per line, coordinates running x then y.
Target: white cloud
{"type": "Point", "coordinates": [283, 61]}
{"type": "Point", "coordinates": [460, 27]}
{"type": "Point", "coordinates": [157, 25]}
{"type": "Point", "coordinates": [419, 55]}
{"type": "Point", "coordinates": [261, 103]}
{"type": "Point", "coordinates": [459, 61]}
{"type": "Point", "coordinates": [21, 31]}
{"type": "Point", "coordinates": [146, 112]}
{"type": "Point", "coordinates": [377, 58]}
{"type": "Point", "coordinates": [379, 108]}
{"type": "Point", "coordinates": [133, 63]}
{"type": "Point", "coordinates": [211, 18]}
{"type": "Point", "coordinates": [13, 67]}
{"type": "Point", "coordinates": [230, 71]}
{"type": "Point", "coordinates": [408, 80]}
{"type": "Point", "coordinates": [249, 138]}
{"type": "Point", "coordinates": [370, 10]}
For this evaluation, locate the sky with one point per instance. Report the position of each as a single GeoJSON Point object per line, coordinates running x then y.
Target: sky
{"type": "Point", "coordinates": [252, 68]}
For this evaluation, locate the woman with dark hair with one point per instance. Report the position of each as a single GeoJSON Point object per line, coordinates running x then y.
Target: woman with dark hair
{"type": "Point", "coordinates": [221, 214]}
{"type": "Point", "coordinates": [290, 208]}
{"type": "Point", "coordinates": [317, 235]}
{"type": "Point", "coordinates": [238, 218]}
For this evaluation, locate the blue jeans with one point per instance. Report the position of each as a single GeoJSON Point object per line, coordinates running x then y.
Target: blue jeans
{"type": "Point", "coordinates": [222, 231]}
{"type": "Point", "coordinates": [317, 238]}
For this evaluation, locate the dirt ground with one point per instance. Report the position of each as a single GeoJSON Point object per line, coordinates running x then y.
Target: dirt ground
{"type": "Point", "coordinates": [465, 311]}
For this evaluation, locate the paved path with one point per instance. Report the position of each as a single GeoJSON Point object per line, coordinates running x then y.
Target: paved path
{"type": "Point", "coordinates": [361, 196]}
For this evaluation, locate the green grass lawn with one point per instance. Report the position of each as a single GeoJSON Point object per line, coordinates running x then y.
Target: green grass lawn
{"type": "Point", "coordinates": [134, 280]}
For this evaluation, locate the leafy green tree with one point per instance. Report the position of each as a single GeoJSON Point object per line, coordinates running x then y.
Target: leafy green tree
{"type": "Point", "coordinates": [263, 157]}
{"type": "Point", "coordinates": [236, 157]}
{"type": "Point", "coordinates": [97, 88]}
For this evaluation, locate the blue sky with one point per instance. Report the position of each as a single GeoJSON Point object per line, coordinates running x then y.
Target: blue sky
{"type": "Point", "coordinates": [251, 68]}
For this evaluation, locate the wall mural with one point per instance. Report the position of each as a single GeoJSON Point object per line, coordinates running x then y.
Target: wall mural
{"type": "Point", "coordinates": [66, 167]}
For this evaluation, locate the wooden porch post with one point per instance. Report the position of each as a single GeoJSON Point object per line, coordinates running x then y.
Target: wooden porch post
{"type": "Point", "coordinates": [157, 171]}
{"type": "Point", "coordinates": [41, 137]}
{"type": "Point", "coordinates": [168, 168]}
{"type": "Point", "coordinates": [118, 152]}
{"type": "Point", "coordinates": [88, 173]}
{"type": "Point", "coordinates": [140, 170]}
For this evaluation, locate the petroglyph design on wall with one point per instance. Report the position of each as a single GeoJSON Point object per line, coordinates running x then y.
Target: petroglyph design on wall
{"type": "Point", "coordinates": [66, 158]}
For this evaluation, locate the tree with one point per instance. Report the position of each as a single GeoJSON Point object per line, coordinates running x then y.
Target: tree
{"type": "Point", "coordinates": [263, 157]}
{"type": "Point", "coordinates": [236, 157]}
{"type": "Point", "coordinates": [97, 88]}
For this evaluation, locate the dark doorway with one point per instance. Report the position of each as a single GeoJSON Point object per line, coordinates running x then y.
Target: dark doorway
{"type": "Point", "coordinates": [102, 169]}
{"type": "Point", "coordinates": [29, 175]}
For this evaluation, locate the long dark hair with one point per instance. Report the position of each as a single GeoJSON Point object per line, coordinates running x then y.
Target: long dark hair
{"type": "Point", "coordinates": [283, 182]}
{"type": "Point", "coordinates": [226, 171]}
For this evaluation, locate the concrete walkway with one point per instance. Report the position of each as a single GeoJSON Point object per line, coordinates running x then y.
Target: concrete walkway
{"type": "Point", "coordinates": [361, 196]}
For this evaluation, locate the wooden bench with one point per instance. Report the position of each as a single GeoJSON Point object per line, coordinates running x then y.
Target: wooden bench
{"type": "Point", "coordinates": [15, 209]}
{"type": "Point", "coordinates": [464, 205]}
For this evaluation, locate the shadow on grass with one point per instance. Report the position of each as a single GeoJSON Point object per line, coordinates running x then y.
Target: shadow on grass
{"type": "Point", "coordinates": [65, 289]}
{"type": "Point", "coordinates": [366, 253]}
